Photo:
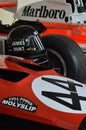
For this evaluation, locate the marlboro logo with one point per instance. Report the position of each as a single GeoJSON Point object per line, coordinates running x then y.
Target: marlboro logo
{"type": "Point", "coordinates": [44, 12]}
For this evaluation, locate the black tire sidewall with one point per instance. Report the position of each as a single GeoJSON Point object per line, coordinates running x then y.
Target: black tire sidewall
{"type": "Point", "coordinates": [70, 52]}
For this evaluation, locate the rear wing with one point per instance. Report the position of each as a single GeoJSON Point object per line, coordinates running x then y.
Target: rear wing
{"type": "Point", "coordinates": [9, 5]}
{"type": "Point", "coordinates": [45, 11]}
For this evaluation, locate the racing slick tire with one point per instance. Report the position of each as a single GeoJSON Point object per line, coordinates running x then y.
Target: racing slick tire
{"type": "Point", "coordinates": [65, 56]}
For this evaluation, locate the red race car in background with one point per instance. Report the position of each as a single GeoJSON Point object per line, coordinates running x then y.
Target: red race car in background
{"type": "Point", "coordinates": [47, 17]}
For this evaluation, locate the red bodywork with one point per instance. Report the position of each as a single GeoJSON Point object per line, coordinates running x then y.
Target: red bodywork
{"type": "Point", "coordinates": [12, 90]}
{"type": "Point", "coordinates": [76, 32]}
{"type": "Point", "coordinates": [7, 4]}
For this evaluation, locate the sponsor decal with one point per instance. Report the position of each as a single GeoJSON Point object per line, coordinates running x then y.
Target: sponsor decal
{"type": "Point", "coordinates": [60, 93]}
{"type": "Point", "coordinates": [44, 12]}
{"type": "Point", "coordinates": [20, 103]}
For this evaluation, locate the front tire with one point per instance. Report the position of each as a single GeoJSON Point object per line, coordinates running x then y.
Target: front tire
{"type": "Point", "coordinates": [65, 56]}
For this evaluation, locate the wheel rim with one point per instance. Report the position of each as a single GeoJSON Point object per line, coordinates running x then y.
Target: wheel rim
{"type": "Point", "coordinates": [57, 62]}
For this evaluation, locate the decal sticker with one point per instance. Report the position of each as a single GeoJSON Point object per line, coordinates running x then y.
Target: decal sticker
{"type": "Point", "coordinates": [60, 93]}
{"type": "Point", "coordinates": [20, 103]}
{"type": "Point", "coordinates": [44, 12]}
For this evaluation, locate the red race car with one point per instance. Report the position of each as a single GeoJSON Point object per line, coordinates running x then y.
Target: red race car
{"type": "Point", "coordinates": [61, 25]}
{"type": "Point", "coordinates": [33, 96]}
